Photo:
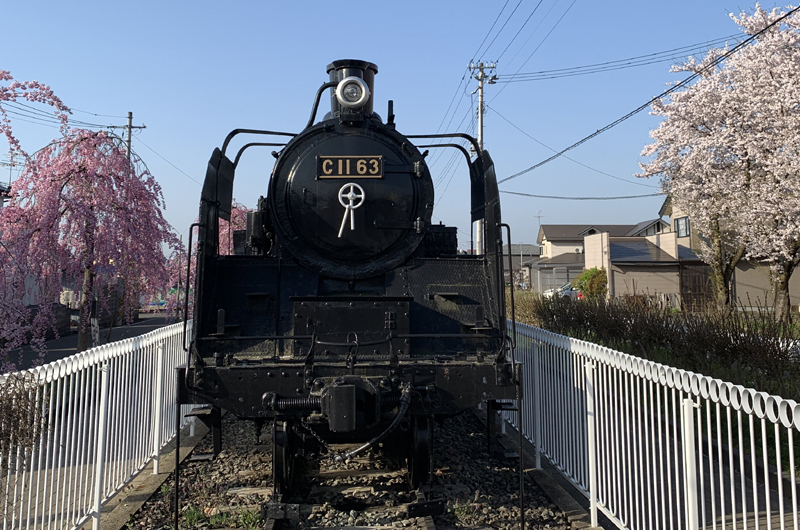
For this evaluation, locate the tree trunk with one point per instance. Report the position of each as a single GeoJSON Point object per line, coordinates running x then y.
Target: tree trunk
{"type": "Point", "coordinates": [783, 304]}
{"type": "Point", "coordinates": [722, 268]}
{"type": "Point", "coordinates": [86, 306]}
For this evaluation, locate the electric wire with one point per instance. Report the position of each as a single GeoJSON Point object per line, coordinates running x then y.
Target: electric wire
{"type": "Point", "coordinates": [568, 158]}
{"type": "Point", "coordinates": [41, 117]}
{"type": "Point", "coordinates": [673, 88]}
{"type": "Point", "coordinates": [170, 163]}
{"type": "Point", "coordinates": [537, 47]}
{"type": "Point", "coordinates": [22, 107]}
{"type": "Point", "coordinates": [518, 31]}
{"type": "Point", "coordinates": [98, 115]}
{"type": "Point", "coordinates": [503, 27]}
{"type": "Point", "coordinates": [580, 198]}
{"type": "Point", "coordinates": [474, 55]}
{"type": "Point", "coordinates": [608, 66]}
{"type": "Point", "coordinates": [511, 61]}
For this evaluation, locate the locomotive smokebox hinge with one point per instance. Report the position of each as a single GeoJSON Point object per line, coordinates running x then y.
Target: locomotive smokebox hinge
{"type": "Point", "coordinates": [418, 169]}
{"type": "Point", "coordinates": [419, 225]}
{"type": "Point", "coordinates": [391, 320]}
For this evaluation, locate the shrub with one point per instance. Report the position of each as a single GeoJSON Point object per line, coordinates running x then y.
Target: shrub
{"type": "Point", "coordinates": [746, 348]}
{"type": "Point", "coordinates": [593, 283]}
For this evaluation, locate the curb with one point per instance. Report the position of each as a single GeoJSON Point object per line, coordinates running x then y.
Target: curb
{"type": "Point", "coordinates": [577, 515]}
{"type": "Point", "coordinates": [116, 513]}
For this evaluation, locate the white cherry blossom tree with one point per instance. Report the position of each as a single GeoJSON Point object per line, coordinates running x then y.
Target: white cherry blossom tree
{"type": "Point", "coordinates": [727, 153]}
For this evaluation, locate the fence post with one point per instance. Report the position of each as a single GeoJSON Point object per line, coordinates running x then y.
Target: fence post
{"type": "Point", "coordinates": [689, 466]}
{"type": "Point", "coordinates": [158, 404]}
{"type": "Point", "coordinates": [591, 441]}
{"type": "Point", "coordinates": [537, 407]}
{"type": "Point", "coordinates": [101, 445]}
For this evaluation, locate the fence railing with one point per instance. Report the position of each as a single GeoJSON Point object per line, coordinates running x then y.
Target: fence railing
{"type": "Point", "coordinates": [100, 417]}
{"type": "Point", "coordinates": [655, 447]}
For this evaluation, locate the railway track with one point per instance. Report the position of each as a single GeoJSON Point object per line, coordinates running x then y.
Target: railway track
{"type": "Point", "coordinates": [470, 489]}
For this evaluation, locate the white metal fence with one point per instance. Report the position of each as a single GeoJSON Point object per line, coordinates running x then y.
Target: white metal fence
{"type": "Point", "coordinates": [104, 414]}
{"type": "Point", "coordinates": [655, 447]}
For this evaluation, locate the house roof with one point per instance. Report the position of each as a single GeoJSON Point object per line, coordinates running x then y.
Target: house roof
{"type": "Point", "coordinates": [576, 232]}
{"type": "Point", "coordinates": [642, 227]}
{"type": "Point", "coordinates": [666, 208]}
{"type": "Point", "coordinates": [637, 250]}
{"type": "Point", "coordinates": [525, 249]}
{"type": "Point", "coordinates": [687, 254]}
{"type": "Point", "coordinates": [569, 260]}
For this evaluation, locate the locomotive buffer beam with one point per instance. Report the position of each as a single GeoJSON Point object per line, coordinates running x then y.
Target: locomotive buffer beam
{"type": "Point", "coordinates": [458, 386]}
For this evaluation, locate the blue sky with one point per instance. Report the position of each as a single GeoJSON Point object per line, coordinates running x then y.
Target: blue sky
{"type": "Point", "coordinates": [192, 71]}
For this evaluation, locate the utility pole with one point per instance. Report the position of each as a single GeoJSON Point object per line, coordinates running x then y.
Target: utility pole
{"type": "Point", "coordinates": [481, 77]}
{"type": "Point", "coordinates": [129, 133]}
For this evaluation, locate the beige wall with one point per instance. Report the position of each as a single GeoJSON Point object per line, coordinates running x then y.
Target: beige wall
{"type": "Point", "coordinates": [596, 248]}
{"type": "Point", "coordinates": [556, 248]}
{"type": "Point", "coordinates": [668, 242]}
{"type": "Point", "coordinates": [646, 280]}
{"type": "Point", "coordinates": [598, 254]}
{"type": "Point", "coordinates": [688, 242]}
{"type": "Point", "coordinates": [753, 287]}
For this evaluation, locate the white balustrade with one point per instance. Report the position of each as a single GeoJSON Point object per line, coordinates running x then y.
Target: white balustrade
{"type": "Point", "coordinates": [672, 449]}
{"type": "Point", "coordinates": [100, 426]}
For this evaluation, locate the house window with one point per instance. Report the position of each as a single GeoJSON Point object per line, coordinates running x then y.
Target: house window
{"type": "Point", "coordinates": [682, 226]}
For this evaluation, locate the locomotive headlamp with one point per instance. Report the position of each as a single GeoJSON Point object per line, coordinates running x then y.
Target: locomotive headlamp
{"type": "Point", "coordinates": [352, 92]}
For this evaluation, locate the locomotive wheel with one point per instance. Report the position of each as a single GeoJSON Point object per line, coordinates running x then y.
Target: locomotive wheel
{"type": "Point", "coordinates": [419, 461]}
{"type": "Point", "coordinates": [283, 455]}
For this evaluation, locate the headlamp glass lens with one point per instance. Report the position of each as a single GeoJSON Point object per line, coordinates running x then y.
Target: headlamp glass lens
{"type": "Point", "coordinates": [352, 92]}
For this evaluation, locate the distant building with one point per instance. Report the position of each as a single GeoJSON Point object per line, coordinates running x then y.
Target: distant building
{"type": "Point", "coordinates": [4, 191]}
{"type": "Point", "coordinates": [563, 250]}
{"type": "Point", "coordinates": [521, 255]}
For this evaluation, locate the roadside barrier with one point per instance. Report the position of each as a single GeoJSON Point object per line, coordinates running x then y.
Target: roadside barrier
{"type": "Point", "coordinates": [656, 447]}
{"type": "Point", "coordinates": [99, 417]}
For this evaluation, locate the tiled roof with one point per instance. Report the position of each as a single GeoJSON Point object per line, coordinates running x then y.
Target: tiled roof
{"type": "Point", "coordinates": [523, 248]}
{"type": "Point", "coordinates": [576, 232]}
{"type": "Point", "coordinates": [568, 259]}
{"type": "Point", "coordinates": [637, 250]}
{"type": "Point", "coordinates": [644, 225]}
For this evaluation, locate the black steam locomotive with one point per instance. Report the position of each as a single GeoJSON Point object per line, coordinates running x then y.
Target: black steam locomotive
{"type": "Point", "coordinates": [346, 316]}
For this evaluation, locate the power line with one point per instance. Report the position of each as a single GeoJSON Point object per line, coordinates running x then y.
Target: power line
{"type": "Point", "coordinates": [519, 31]}
{"type": "Point", "coordinates": [581, 198]}
{"type": "Point", "coordinates": [98, 115]}
{"type": "Point", "coordinates": [168, 162]}
{"type": "Point", "coordinates": [503, 27]}
{"type": "Point", "coordinates": [539, 46]}
{"type": "Point", "coordinates": [571, 159]}
{"type": "Point", "coordinates": [533, 32]}
{"type": "Point", "coordinates": [619, 64]}
{"type": "Point", "coordinates": [474, 55]}
{"type": "Point", "coordinates": [675, 87]}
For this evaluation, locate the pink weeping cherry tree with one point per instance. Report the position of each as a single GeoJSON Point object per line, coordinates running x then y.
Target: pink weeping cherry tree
{"type": "Point", "coordinates": [82, 215]}
{"type": "Point", "coordinates": [177, 262]}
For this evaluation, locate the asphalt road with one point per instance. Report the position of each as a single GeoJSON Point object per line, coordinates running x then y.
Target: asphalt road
{"type": "Point", "coordinates": [68, 345]}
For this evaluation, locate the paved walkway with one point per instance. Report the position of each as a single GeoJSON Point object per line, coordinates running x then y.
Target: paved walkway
{"type": "Point", "coordinates": [68, 345]}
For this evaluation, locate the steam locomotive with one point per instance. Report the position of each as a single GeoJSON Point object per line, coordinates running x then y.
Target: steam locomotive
{"type": "Point", "coordinates": [345, 316]}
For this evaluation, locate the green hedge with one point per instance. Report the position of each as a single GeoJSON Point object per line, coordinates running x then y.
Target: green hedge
{"type": "Point", "coordinates": [746, 348]}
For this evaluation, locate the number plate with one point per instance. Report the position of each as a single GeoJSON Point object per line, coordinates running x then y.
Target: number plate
{"type": "Point", "coordinates": [351, 167]}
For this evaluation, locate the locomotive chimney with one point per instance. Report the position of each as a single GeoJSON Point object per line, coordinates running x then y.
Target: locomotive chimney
{"type": "Point", "coordinates": [350, 68]}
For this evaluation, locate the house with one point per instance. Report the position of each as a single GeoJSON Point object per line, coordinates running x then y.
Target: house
{"type": "Point", "coordinates": [521, 255]}
{"type": "Point", "coordinates": [653, 265]}
{"type": "Point", "coordinates": [750, 285]}
{"type": "Point", "coordinates": [4, 191]}
{"type": "Point", "coordinates": [563, 249]}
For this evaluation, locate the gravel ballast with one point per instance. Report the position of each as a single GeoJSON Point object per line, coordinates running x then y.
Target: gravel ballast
{"type": "Point", "coordinates": [480, 491]}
